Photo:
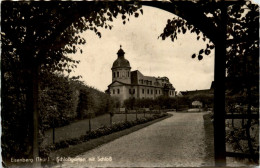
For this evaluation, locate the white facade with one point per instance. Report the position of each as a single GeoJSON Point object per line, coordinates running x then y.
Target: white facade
{"type": "Point", "coordinates": [133, 84]}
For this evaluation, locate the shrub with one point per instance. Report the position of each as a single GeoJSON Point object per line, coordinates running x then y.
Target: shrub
{"type": "Point", "coordinates": [61, 144]}
{"type": "Point", "coordinates": [104, 130]}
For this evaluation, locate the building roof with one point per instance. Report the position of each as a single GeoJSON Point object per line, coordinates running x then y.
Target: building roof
{"type": "Point", "coordinates": [122, 83]}
{"type": "Point", "coordinates": [121, 62]}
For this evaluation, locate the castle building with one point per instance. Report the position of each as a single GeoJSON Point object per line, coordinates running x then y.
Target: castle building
{"type": "Point", "coordinates": [133, 84]}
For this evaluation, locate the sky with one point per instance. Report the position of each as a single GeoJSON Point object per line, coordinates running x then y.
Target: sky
{"type": "Point", "coordinates": [145, 52]}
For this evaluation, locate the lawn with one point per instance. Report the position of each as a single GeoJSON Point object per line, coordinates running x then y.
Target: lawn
{"type": "Point", "coordinates": [79, 128]}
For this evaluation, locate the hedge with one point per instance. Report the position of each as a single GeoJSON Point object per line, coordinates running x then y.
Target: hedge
{"type": "Point", "coordinates": [102, 131]}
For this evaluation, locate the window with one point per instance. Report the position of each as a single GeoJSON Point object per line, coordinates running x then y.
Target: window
{"type": "Point", "coordinates": [118, 91]}
{"type": "Point", "coordinates": [151, 91]}
{"type": "Point", "coordinates": [117, 74]}
{"type": "Point", "coordinates": [133, 91]}
{"type": "Point", "coordinates": [129, 91]}
{"type": "Point", "coordinates": [159, 92]}
{"type": "Point", "coordinates": [128, 74]}
{"type": "Point", "coordinates": [147, 91]}
{"type": "Point", "coordinates": [113, 91]}
{"type": "Point", "coordinates": [143, 91]}
{"type": "Point", "coordinates": [155, 91]}
{"type": "Point", "coordinates": [170, 93]}
{"type": "Point", "coordinates": [114, 74]}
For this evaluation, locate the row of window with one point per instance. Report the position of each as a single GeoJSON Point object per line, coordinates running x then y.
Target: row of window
{"type": "Point", "coordinates": [171, 92]}
{"type": "Point", "coordinates": [151, 91]}
{"type": "Point", "coordinates": [118, 91]}
{"type": "Point", "coordinates": [131, 91]}
{"type": "Point", "coordinates": [143, 91]}
{"type": "Point", "coordinates": [122, 74]}
{"type": "Point", "coordinates": [146, 82]}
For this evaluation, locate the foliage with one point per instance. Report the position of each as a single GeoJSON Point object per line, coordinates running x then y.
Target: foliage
{"type": "Point", "coordinates": [161, 102]}
{"type": "Point", "coordinates": [58, 101]}
{"type": "Point", "coordinates": [237, 137]}
{"type": "Point", "coordinates": [243, 66]}
{"type": "Point", "coordinates": [84, 103]}
{"type": "Point", "coordinates": [93, 101]}
{"type": "Point", "coordinates": [63, 100]}
{"type": "Point", "coordinates": [105, 130]}
{"type": "Point", "coordinates": [130, 103]}
{"type": "Point", "coordinates": [240, 22]}
{"type": "Point", "coordinates": [36, 39]}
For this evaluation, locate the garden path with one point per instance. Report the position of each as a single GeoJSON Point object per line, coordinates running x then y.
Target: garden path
{"type": "Point", "coordinates": [175, 141]}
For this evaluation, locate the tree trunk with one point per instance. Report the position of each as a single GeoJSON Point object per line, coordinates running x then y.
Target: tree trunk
{"type": "Point", "coordinates": [219, 92]}
{"type": "Point", "coordinates": [35, 87]}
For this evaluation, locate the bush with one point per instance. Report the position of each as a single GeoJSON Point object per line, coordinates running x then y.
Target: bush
{"type": "Point", "coordinates": [102, 131]}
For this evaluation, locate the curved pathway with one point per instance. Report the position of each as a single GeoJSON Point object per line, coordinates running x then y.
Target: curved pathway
{"type": "Point", "coordinates": [175, 141]}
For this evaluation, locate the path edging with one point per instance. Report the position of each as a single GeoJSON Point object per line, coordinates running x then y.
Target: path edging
{"type": "Point", "coordinates": [75, 150]}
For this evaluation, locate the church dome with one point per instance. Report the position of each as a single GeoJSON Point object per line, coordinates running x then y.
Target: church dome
{"type": "Point", "coordinates": [121, 62]}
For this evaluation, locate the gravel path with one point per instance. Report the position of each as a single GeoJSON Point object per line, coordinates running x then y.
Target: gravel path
{"type": "Point", "coordinates": [175, 141]}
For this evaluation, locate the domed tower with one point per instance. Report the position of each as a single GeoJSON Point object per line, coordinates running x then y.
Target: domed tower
{"type": "Point", "coordinates": [121, 68]}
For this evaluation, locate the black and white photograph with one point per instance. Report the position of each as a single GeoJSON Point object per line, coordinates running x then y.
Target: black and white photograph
{"type": "Point", "coordinates": [171, 83]}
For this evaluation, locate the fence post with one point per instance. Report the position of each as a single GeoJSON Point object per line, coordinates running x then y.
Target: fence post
{"type": "Point", "coordinates": [110, 119]}
{"type": "Point", "coordinates": [89, 123]}
{"type": "Point", "coordinates": [125, 115]}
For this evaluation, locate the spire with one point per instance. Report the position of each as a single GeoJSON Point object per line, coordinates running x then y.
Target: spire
{"type": "Point", "coordinates": [120, 52]}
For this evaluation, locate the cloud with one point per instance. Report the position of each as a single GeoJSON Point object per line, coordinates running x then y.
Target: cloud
{"type": "Point", "coordinates": [145, 52]}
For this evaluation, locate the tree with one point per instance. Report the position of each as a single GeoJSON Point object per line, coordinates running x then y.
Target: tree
{"type": "Point", "coordinates": [130, 103]}
{"type": "Point", "coordinates": [36, 38]}
{"type": "Point", "coordinates": [236, 40]}
{"type": "Point", "coordinates": [83, 103]}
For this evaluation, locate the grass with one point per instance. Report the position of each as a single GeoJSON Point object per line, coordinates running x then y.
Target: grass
{"type": "Point", "coordinates": [75, 150]}
{"type": "Point", "coordinates": [79, 128]}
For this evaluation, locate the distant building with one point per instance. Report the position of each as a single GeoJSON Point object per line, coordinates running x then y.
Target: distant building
{"type": "Point", "coordinates": [196, 103]}
{"type": "Point", "coordinates": [133, 84]}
